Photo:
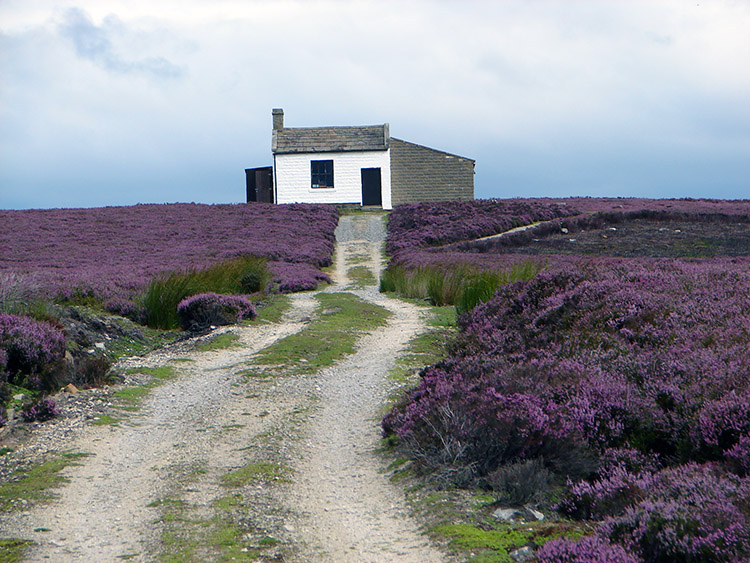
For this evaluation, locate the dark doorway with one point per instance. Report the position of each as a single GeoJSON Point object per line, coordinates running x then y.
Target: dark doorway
{"type": "Point", "coordinates": [259, 184]}
{"type": "Point", "coordinates": [371, 189]}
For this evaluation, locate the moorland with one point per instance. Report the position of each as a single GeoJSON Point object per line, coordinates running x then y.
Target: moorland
{"type": "Point", "coordinates": [594, 382]}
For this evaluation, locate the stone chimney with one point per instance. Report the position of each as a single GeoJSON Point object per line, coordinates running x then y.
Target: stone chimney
{"type": "Point", "coordinates": [278, 119]}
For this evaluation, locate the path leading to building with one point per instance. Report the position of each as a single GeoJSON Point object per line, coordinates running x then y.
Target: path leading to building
{"type": "Point", "coordinates": [347, 510]}
{"type": "Point", "coordinates": [338, 505]}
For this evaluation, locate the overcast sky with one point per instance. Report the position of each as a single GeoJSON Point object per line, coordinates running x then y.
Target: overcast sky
{"type": "Point", "coordinates": [107, 102]}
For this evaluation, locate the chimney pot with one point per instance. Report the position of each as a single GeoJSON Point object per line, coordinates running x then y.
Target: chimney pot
{"type": "Point", "coordinates": [278, 118]}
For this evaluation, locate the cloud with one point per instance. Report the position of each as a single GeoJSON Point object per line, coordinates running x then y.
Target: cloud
{"type": "Point", "coordinates": [94, 43]}
{"type": "Point", "coordinates": [643, 98]}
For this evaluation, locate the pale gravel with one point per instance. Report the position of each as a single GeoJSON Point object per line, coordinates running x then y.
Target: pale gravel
{"type": "Point", "coordinates": [339, 506]}
{"type": "Point", "coordinates": [346, 509]}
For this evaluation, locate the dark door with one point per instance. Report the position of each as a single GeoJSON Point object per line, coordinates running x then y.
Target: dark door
{"type": "Point", "coordinates": [259, 184]}
{"type": "Point", "coordinates": [371, 187]}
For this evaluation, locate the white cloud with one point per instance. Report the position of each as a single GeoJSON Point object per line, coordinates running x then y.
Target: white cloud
{"type": "Point", "coordinates": [155, 89]}
{"type": "Point", "coordinates": [96, 43]}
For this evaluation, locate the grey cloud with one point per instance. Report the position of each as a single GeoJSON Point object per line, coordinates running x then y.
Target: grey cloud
{"type": "Point", "coordinates": [93, 42]}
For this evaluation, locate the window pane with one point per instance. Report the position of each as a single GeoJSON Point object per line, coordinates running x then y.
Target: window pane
{"type": "Point", "coordinates": [321, 173]}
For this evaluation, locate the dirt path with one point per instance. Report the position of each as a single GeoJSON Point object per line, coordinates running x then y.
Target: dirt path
{"type": "Point", "coordinates": [103, 513]}
{"type": "Point", "coordinates": [347, 510]}
{"type": "Point", "coordinates": [196, 427]}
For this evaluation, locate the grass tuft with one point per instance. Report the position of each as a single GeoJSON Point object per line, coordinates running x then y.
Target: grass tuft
{"type": "Point", "coordinates": [129, 398]}
{"type": "Point", "coordinates": [34, 484]}
{"type": "Point", "coordinates": [342, 317]}
{"type": "Point", "coordinates": [243, 275]}
{"type": "Point", "coordinates": [219, 342]}
{"type": "Point", "coordinates": [361, 276]}
{"type": "Point", "coordinates": [463, 286]}
{"type": "Point", "coordinates": [254, 472]}
{"type": "Point", "coordinates": [499, 543]}
{"type": "Point", "coordinates": [13, 549]}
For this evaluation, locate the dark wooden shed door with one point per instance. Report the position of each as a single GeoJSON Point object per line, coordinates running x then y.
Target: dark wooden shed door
{"type": "Point", "coordinates": [371, 187]}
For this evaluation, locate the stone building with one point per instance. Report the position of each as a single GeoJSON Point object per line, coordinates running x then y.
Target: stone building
{"type": "Point", "coordinates": [360, 165]}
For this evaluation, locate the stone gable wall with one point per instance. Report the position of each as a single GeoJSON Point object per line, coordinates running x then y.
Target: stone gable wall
{"type": "Point", "coordinates": [422, 174]}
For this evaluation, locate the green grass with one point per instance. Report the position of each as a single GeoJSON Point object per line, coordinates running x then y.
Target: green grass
{"type": "Point", "coordinates": [246, 274]}
{"type": "Point", "coordinates": [13, 549]}
{"type": "Point", "coordinates": [219, 342]}
{"type": "Point", "coordinates": [189, 534]}
{"type": "Point", "coordinates": [361, 276]}
{"type": "Point", "coordinates": [472, 538]}
{"type": "Point", "coordinates": [341, 318]}
{"type": "Point", "coordinates": [36, 483]}
{"type": "Point", "coordinates": [130, 398]}
{"type": "Point", "coordinates": [355, 209]}
{"type": "Point", "coordinates": [105, 419]}
{"type": "Point", "coordinates": [426, 348]}
{"type": "Point", "coordinates": [463, 519]}
{"type": "Point", "coordinates": [255, 472]}
{"type": "Point", "coordinates": [493, 542]}
{"type": "Point", "coordinates": [271, 308]}
{"type": "Point", "coordinates": [357, 258]}
{"type": "Point", "coordinates": [462, 286]}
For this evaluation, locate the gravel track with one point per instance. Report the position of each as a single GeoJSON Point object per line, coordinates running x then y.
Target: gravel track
{"type": "Point", "coordinates": [103, 513]}
{"type": "Point", "coordinates": [347, 510]}
{"type": "Point", "coordinates": [196, 427]}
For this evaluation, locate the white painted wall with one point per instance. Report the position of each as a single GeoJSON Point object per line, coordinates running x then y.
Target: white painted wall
{"type": "Point", "coordinates": [292, 177]}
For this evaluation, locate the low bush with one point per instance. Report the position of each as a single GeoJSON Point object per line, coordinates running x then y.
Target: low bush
{"type": "Point", "coordinates": [290, 277]}
{"type": "Point", "coordinates": [6, 392]}
{"type": "Point", "coordinates": [168, 290]}
{"type": "Point", "coordinates": [29, 345]}
{"type": "Point", "coordinates": [607, 496]}
{"type": "Point", "coordinates": [591, 549]}
{"type": "Point", "coordinates": [689, 513]}
{"type": "Point", "coordinates": [199, 312]}
{"type": "Point", "coordinates": [91, 371]}
{"type": "Point", "coordinates": [126, 308]}
{"type": "Point", "coordinates": [40, 410]}
{"type": "Point", "coordinates": [522, 482]}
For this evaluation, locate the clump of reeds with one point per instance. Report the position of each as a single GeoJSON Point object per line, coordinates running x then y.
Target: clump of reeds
{"type": "Point", "coordinates": [243, 275]}
{"type": "Point", "coordinates": [463, 286]}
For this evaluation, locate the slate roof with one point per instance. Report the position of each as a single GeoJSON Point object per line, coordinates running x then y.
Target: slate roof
{"type": "Point", "coordinates": [330, 139]}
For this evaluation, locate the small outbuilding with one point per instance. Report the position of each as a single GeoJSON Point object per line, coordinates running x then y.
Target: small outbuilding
{"type": "Point", "coordinates": [360, 165]}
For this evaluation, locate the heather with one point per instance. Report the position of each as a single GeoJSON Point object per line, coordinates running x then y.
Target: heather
{"type": "Point", "coordinates": [626, 381]}
{"type": "Point", "coordinates": [668, 233]}
{"type": "Point", "coordinates": [241, 275]}
{"type": "Point", "coordinates": [39, 411]}
{"type": "Point", "coordinates": [204, 310]}
{"type": "Point", "coordinates": [114, 252]}
{"type": "Point", "coordinates": [27, 346]}
{"type": "Point", "coordinates": [437, 223]}
{"type": "Point", "coordinates": [430, 240]}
